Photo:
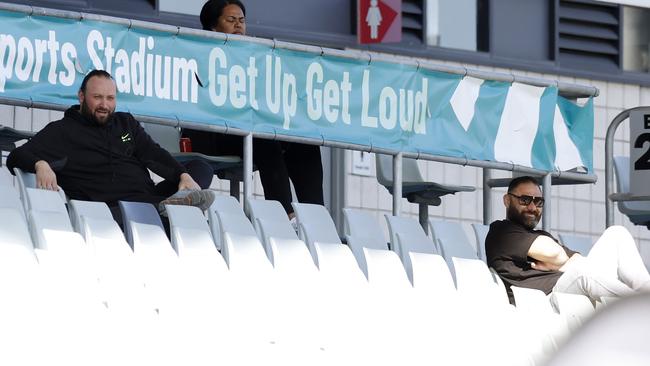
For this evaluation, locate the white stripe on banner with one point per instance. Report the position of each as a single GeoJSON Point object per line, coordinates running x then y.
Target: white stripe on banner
{"type": "Point", "coordinates": [567, 155]}
{"type": "Point", "coordinates": [463, 102]}
{"type": "Point", "coordinates": [518, 126]}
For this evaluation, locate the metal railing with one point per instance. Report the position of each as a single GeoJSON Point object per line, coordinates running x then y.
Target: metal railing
{"type": "Point", "coordinates": [568, 90]}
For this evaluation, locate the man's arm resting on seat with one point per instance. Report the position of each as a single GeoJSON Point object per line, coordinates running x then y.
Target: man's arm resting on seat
{"type": "Point", "coordinates": [45, 176]}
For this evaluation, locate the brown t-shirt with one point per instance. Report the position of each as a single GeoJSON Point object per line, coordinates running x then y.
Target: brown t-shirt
{"type": "Point", "coordinates": [506, 247]}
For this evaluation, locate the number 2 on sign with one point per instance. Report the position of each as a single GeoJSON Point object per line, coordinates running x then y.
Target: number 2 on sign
{"type": "Point", "coordinates": [644, 161]}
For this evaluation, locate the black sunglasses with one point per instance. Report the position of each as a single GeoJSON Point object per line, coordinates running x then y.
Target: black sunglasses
{"type": "Point", "coordinates": [525, 200]}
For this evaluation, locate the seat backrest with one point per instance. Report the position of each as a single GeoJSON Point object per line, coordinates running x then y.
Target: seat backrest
{"type": "Point", "coordinates": [385, 269]}
{"type": "Point", "coordinates": [13, 229]}
{"type": "Point", "coordinates": [28, 180]}
{"type": "Point", "coordinates": [189, 229]}
{"type": "Point", "coordinates": [149, 238]}
{"type": "Point", "coordinates": [10, 198]}
{"type": "Point", "coordinates": [474, 280]}
{"type": "Point", "coordinates": [622, 169]}
{"type": "Point", "coordinates": [167, 137]}
{"type": "Point", "coordinates": [79, 209]}
{"type": "Point", "coordinates": [531, 300]}
{"type": "Point", "coordinates": [237, 224]}
{"type": "Point", "coordinates": [418, 240]}
{"type": "Point", "coordinates": [138, 213]}
{"type": "Point", "coordinates": [410, 170]}
{"type": "Point", "coordinates": [276, 229]}
{"type": "Point", "coordinates": [6, 179]}
{"type": "Point", "coordinates": [266, 210]}
{"type": "Point", "coordinates": [480, 233]}
{"type": "Point", "coordinates": [57, 222]}
{"type": "Point", "coordinates": [452, 241]}
{"type": "Point", "coordinates": [364, 227]}
{"type": "Point", "coordinates": [429, 272]}
{"type": "Point", "coordinates": [25, 180]}
{"type": "Point", "coordinates": [245, 253]}
{"type": "Point", "coordinates": [316, 223]}
{"type": "Point", "coordinates": [106, 229]}
{"type": "Point", "coordinates": [581, 244]}
{"type": "Point", "coordinates": [44, 200]}
{"type": "Point", "coordinates": [222, 205]}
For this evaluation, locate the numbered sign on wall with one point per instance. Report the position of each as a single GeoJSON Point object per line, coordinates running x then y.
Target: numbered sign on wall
{"type": "Point", "coordinates": [640, 152]}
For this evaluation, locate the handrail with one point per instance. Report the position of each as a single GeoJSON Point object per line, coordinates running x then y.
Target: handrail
{"type": "Point", "coordinates": [569, 90]}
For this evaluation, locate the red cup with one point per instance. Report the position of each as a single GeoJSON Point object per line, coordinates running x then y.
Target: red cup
{"type": "Point", "coordinates": [185, 144]}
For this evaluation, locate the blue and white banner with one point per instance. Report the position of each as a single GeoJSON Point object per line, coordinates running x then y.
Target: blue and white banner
{"type": "Point", "coordinates": [254, 87]}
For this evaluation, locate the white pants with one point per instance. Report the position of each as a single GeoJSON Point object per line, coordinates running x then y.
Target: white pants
{"type": "Point", "coordinates": [613, 268]}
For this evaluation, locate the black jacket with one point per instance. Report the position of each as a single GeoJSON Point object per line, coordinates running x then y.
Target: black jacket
{"type": "Point", "coordinates": [99, 162]}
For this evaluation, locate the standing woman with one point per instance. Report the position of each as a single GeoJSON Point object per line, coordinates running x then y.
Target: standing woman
{"type": "Point", "coordinates": [277, 162]}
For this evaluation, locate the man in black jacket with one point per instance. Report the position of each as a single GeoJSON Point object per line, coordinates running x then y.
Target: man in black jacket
{"type": "Point", "coordinates": [97, 154]}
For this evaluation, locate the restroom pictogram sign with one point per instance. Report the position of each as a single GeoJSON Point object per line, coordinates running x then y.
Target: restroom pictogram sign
{"type": "Point", "coordinates": [379, 21]}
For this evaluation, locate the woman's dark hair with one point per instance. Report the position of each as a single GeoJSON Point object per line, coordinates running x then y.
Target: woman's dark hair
{"type": "Point", "coordinates": [213, 9]}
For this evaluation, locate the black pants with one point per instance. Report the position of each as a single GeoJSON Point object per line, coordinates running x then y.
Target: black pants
{"type": "Point", "coordinates": [199, 170]}
{"type": "Point", "coordinates": [277, 162]}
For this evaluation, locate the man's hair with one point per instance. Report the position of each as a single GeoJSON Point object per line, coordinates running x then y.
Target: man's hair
{"type": "Point", "coordinates": [514, 183]}
{"type": "Point", "coordinates": [213, 9]}
{"type": "Point", "coordinates": [98, 73]}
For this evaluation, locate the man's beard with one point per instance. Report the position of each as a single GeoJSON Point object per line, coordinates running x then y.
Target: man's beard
{"type": "Point", "coordinates": [92, 117]}
{"type": "Point", "coordinates": [513, 215]}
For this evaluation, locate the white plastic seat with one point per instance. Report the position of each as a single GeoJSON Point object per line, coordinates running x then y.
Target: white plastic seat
{"type": "Point", "coordinates": [275, 229]}
{"type": "Point", "coordinates": [10, 198]}
{"type": "Point", "coordinates": [597, 344]}
{"type": "Point", "coordinates": [575, 308]}
{"type": "Point", "coordinates": [532, 300]}
{"type": "Point", "coordinates": [222, 205]}
{"type": "Point", "coordinates": [270, 212]}
{"type": "Point", "coordinates": [480, 233]}
{"type": "Point", "coordinates": [5, 177]}
{"type": "Point", "coordinates": [315, 225]}
{"type": "Point", "coordinates": [637, 211]}
{"type": "Point", "coordinates": [358, 224]}
{"type": "Point", "coordinates": [44, 200]}
{"type": "Point", "coordinates": [139, 213]}
{"type": "Point", "coordinates": [39, 221]}
{"type": "Point", "coordinates": [244, 252]}
{"type": "Point", "coordinates": [122, 283]}
{"type": "Point", "coordinates": [189, 231]}
{"type": "Point", "coordinates": [292, 256]}
{"type": "Point", "coordinates": [359, 235]}
{"type": "Point", "coordinates": [408, 236]}
{"type": "Point", "coordinates": [158, 264]}
{"type": "Point", "coordinates": [385, 269]}
{"type": "Point", "coordinates": [474, 281]}
{"type": "Point", "coordinates": [79, 209]}
{"type": "Point", "coordinates": [93, 228]}
{"type": "Point", "coordinates": [28, 180]}
{"type": "Point", "coordinates": [581, 244]}
{"type": "Point", "coordinates": [452, 240]}
{"type": "Point", "coordinates": [15, 242]}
